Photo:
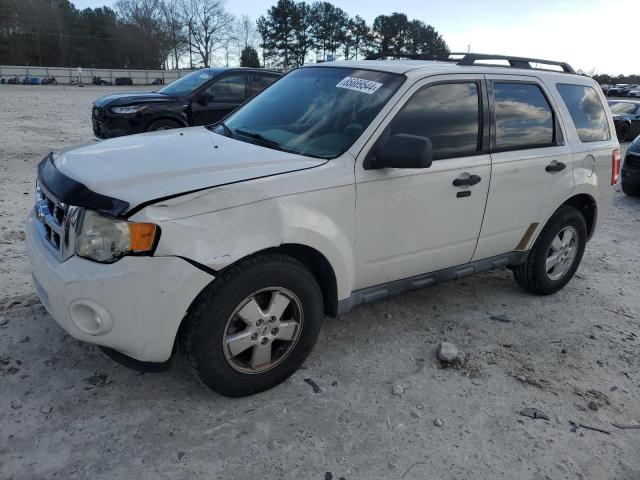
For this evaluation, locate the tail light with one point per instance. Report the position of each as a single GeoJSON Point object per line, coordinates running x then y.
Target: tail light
{"type": "Point", "coordinates": [615, 166]}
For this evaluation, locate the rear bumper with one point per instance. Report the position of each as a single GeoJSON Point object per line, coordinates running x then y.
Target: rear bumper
{"type": "Point", "coordinates": [134, 305]}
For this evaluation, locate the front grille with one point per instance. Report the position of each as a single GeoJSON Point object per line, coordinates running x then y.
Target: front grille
{"type": "Point", "coordinates": [632, 159]}
{"type": "Point", "coordinates": [56, 223]}
{"type": "Point", "coordinates": [98, 113]}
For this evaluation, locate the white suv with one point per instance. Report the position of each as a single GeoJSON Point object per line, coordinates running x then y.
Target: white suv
{"type": "Point", "coordinates": [340, 184]}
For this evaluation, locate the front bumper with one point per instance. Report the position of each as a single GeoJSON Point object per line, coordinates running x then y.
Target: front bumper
{"type": "Point", "coordinates": [630, 172]}
{"type": "Point", "coordinates": [134, 305]}
{"type": "Point", "coordinates": [110, 125]}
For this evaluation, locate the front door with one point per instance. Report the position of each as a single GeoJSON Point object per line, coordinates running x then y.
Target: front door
{"type": "Point", "coordinates": [219, 98]}
{"type": "Point", "coordinates": [414, 221]}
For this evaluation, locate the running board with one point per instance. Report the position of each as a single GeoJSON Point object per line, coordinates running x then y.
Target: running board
{"type": "Point", "coordinates": [378, 292]}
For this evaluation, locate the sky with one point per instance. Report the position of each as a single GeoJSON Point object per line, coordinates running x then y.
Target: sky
{"type": "Point", "coordinates": [588, 34]}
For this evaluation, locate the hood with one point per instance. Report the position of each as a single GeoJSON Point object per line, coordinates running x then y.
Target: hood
{"type": "Point", "coordinates": [142, 168]}
{"type": "Point", "coordinates": [120, 99]}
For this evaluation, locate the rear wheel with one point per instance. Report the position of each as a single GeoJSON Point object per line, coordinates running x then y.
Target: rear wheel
{"type": "Point", "coordinates": [556, 255]}
{"type": "Point", "coordinates": [254, 326]}
{"type": "Point", "coordinates": [163, 124]}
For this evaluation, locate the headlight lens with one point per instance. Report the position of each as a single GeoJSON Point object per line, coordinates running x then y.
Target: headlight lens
{"type": "Point", "coordinates": [125, 110]}
{"type": "Point", "coordinates": [106, 239]}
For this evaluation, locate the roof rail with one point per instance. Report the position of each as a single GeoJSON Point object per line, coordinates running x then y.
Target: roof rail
{"type": "Point", "coordinates": [470, 59]}
{"type": "Point", "coordinates": [515, 62]}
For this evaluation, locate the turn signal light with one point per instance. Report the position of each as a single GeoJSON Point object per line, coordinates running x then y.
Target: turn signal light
{"type": "Point", "coordinates": [141, 236]}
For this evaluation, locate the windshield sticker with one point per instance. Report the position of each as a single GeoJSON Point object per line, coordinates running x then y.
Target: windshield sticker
{"type": "Point", "coordinates": [359, 85]}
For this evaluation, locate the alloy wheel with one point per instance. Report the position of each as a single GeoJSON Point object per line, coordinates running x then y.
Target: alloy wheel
{"type": "Point", "coordinates": [263, 330]}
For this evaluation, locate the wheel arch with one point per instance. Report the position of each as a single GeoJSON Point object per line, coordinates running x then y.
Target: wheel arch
{"type": "Point", "coordinates": [316, 262]}
{"type": "Point", "coordinates": [165, 116]}
{"type": "Point", "coordinates": [588, 207]}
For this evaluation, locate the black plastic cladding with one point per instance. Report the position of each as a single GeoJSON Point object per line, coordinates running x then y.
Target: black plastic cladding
{"type": "Point", "coordinates": [72, 192]}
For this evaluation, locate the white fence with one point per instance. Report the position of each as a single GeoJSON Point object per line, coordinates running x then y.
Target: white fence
{"type": "Point", "coordinates": [69, 75]}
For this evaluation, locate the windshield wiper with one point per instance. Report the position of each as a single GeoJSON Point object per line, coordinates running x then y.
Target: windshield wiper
{"type": "Point", "coordinates": [227, 131]}
{"type": "Point", "coordinates": [260, 138]}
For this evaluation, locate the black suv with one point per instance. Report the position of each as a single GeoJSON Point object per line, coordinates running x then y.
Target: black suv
{"type": "Point", "coordinates": [200, 98]}
{"type": "Point", "coordinates": [631, 170]}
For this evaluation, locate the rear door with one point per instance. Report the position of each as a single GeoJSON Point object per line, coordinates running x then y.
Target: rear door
{"type": "Point", "coordinates": [412, 221]}
{"type": "Point", "coordinates": [220, 98]}
{"type": "Point", "coordinates": [531, 164]}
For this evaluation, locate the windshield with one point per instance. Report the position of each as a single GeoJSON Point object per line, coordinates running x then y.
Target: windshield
{"type": "Point", "coordinates": [620, 108]}
{"type": "Point", "coordinates": [314, 111]}
{"type": "Point", "coordinates": [188, 83]}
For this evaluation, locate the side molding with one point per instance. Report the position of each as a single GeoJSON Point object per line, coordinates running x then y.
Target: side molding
{"type": "Point", "coordinates": [378, 292]}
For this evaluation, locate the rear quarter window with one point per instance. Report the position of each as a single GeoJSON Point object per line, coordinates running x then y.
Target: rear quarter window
{"type": "Point", "coordinates": [586, 110]}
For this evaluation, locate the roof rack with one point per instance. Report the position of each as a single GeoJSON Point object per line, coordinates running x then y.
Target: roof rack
{"type": "Point", "coordinates": [470, 59]}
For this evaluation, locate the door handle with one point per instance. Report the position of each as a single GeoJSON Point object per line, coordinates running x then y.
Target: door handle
{"type": "Point", "coordinates": [466, 179]}
{"type": "Point", "coordinates": [555, 166]}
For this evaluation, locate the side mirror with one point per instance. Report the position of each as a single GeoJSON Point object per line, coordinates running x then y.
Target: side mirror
{"type": "Point", "coordinates": [401, 151]}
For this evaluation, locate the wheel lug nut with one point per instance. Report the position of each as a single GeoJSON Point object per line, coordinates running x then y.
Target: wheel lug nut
{"type": "Point", "coordinates": [272, 319]}
{"type": "Point", "coordinates": [254, 337]}
{"type": "Point", "coordinates": [259, 322]}
{"type": "Point", "coordinates": [264, 341]}
{"type": "Point", "coordinates": [274, 331]}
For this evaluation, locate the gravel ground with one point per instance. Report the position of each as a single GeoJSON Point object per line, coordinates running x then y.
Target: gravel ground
{"type": "Point", "coordinates": [385, 408]}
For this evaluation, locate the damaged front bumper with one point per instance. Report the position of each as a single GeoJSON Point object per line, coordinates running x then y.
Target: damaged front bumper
{"type": "Point", "coordinates": [134, 305]}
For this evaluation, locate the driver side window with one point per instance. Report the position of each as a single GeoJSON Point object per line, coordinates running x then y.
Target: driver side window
{"type": "Point", "coordinates": [448, 114]}
{"type": "Point", "coordinates": [229, 89]}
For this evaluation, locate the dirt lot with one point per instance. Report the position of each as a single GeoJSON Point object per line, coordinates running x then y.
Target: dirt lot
{"type": "Point", "coordinates": [67, 411]}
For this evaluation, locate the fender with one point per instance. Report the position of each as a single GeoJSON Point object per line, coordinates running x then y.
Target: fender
{"type": "Point", "coordinates": [318, 219]}
{"type": "Point", "coordinates": [586, 189]}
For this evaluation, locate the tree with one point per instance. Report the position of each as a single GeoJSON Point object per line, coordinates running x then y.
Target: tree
{"type": "Point", "coordinates": [390, 32]}
{"type": "Point", "coordinates": [397, 36]}
{"type": "Point", "coordinates": [209, 25]}
{"type": "Point", "coordinates": [277, 29]}
{"type": "Point", "coordinates": [330, 25]}
{"type": "Point", "coordinates": [245, 32]}
{"type": "Point", "coordinates": [358, 38]}
{"type": "Point", "coordinates": [174, 28]}
{"type": "Point", "coordinates": [143, 28]}
{"type": "Point", "coordinates": [249, 57]}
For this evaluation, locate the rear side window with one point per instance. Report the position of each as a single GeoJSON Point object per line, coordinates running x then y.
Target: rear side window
{"type": "Point", "coordinates": [448, 114]}
{"type": "Point", "coordinates": [524, 118]}
{"type": "Point", "coordinates": [587, 112]}
{"type": "Point", "coordinates": [262, 81]}
{"type": "Point", "coordinates": [229, 89]}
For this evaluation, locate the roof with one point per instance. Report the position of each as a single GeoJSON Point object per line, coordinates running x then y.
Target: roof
{"type": "Point", "coordinates": [459, 63]}
{"type": "Point", "coordinates": [391, 66]}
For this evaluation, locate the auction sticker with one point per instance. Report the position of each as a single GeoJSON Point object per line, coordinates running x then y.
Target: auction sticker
{"type": "Point", "coordinates": [359, 85]}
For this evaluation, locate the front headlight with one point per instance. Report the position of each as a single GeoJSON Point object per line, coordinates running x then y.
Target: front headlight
{"type": "Point", "coordinates": [125, 110]}
{"type": "Point", "coordinates": [105, 239]}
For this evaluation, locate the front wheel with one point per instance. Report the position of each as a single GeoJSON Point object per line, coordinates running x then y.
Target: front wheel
{"type": "Point", "coordinates": [254, 326]}
{"type": "Point", "coordinates": [555, 255]}
{"type": "Point", "coordinates": [163, 124]}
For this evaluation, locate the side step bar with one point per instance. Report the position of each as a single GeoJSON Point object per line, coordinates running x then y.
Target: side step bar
{"type": "Point", "coordinates": [378, 292]}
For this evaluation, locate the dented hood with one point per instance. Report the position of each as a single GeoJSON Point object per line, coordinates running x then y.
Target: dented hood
{"type": "Point", "coordinates": [139, 169]}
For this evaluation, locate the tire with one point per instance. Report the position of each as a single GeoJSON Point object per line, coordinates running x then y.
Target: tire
{"type": "Point", "coordinates": [215, 318]}
{"type": "Point", "coordinates": [623, 132]}
{"type": "Point", "coordinates": [533, 275]}
{"type": "Point", "coordinates": [163, 124]}
{"type": "Point", "coordinates": [629, 190]}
